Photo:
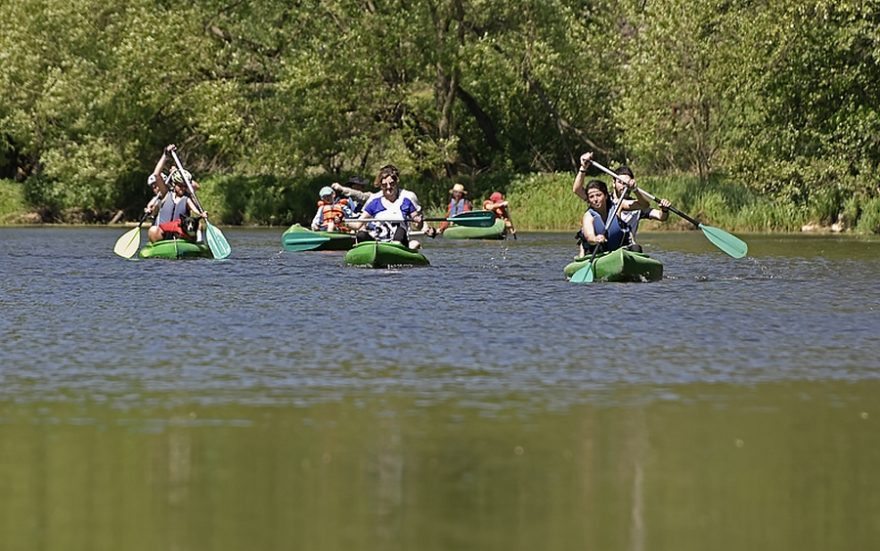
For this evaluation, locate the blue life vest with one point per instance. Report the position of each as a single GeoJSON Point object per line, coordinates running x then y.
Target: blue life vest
{"type": "Point", "coordinates": [457, 207]}
{"type": "Point", "coordinates": [614, 234]}
{"type": "Point", "coordinates": [169, 211]}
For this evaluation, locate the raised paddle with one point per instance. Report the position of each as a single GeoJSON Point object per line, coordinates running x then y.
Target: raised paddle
{"type": "Point", "coordinates": [585, 274]}
{"type": "Point", "coordinates": [728, 243]}
{"type": "Point", "coordinates": [474, 219]}
{"type": "Point", "coordinates": [216, 241]}
{"type": "Point", "coordinates": [128, 244]}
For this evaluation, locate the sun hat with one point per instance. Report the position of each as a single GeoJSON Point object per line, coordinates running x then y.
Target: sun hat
{"type": "Point", "coordinates": [458, 187]}
{"type": "Point", "coordinates": [496, 197]}
{"type": "Point", "coordinates": [326, 190]}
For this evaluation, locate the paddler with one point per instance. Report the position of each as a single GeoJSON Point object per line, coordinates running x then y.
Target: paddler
{"type": "Point", "coordinates": [632, 210]}
{"type": "Point", "coordinates": [638, 209]}
{"type": "Point", "coordinates": [175, 206]}
{"type": "Point", "coordinates": [458, 204]}
{"type": "Point", "coordinates": [331, 212]}
{"type": "Point", "coordinates": [391, 212]}
{"type": "Point", "coordinates": [497, 204]}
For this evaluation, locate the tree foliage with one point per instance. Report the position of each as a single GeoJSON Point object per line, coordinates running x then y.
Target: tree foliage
{"type": "Point", "coordinates": [782, 97]}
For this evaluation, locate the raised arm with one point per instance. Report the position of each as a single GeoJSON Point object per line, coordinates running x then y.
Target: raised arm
{"type": "Point", "coordinates": [578, 187]}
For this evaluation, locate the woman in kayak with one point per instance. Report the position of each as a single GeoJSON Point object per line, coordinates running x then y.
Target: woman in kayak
{"type": "Point", "coordinates": [458, 204]}
{"type": "Point", "coordinates": [596, 229]}
{"type": "Point", "coordinates": [390, 212]}
{"type": "Point", "coordinates": [619, 233]}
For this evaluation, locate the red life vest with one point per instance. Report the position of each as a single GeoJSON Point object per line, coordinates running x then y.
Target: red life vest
{"type": "Point", "coordinates": [500, 212]}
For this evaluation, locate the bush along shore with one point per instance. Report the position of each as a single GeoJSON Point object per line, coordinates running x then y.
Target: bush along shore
{"type": "Point", "coordinates": [538, 202]}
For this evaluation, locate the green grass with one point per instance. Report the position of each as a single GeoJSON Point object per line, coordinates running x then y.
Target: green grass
{"type": "Point", "coordinates": [12, 202]}
{"type": "Point", "coordinates": [545, 202]}
{"type": "Point", "coordinates": [537, 202]}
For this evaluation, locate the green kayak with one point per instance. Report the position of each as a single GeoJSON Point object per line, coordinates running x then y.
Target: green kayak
{"type": "Point", "coordinates": [495, 231]}
{"type": "Point", "coordinates": [175, 248]}
{"type": "Point", "coordinates": [620, 265]}
{"type": "Point", "coordinates": [298, 238]}
{"type": "Point", "coordinates": [377, 254]}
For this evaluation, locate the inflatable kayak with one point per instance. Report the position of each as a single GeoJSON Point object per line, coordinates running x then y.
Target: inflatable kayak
{"type": "Point", "coordinates": [495, 231]}
{"type": "Point", "coordinates": [377, 254]}
{"type": "Point", "coordinates": [298, 238]}
{"type": "Point", "coordinates": [175, 248]}
{"type": "Point", "coordinates": [619, 265]}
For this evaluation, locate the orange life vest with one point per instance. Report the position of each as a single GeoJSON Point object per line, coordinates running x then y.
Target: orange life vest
{"type": "Point", "coordinates": [332, 212]}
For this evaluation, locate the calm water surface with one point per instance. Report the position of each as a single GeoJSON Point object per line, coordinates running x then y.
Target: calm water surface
{"type": "Point", "coordinates": [280, 400]}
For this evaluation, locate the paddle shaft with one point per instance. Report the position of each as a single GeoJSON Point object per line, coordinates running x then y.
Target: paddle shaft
{"type": "Point", "coordinates": [144, 217]}
{"type": "Point", "coordinates": [398, 220]}
{"type": "Point", "coordinates": [693, 221]}
{"type": "Point", "coordinates": [186, 180]}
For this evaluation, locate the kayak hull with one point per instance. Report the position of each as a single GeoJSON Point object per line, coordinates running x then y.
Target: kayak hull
{"type": "Point", "coordinates": [377, 254]}
{"type": "Point", "coordinates": [495, 231]}
{"type": "Point", "coordinates": [296, 235]}
{"type": "Point", "coordinates": [174, 249]}
{"type": "Point", "coordinates": [620, 265]}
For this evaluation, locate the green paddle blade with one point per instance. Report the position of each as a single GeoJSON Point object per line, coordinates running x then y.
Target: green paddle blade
{"type": "Point", "coordinates": [730, 244]}
{"type": "Point", "coordinates": [216, 242]}
{"type": "Point", "coordinates": [297, 242]}
{"type": "Point", "coordinates": [584, 275]}
{"type": "Point", "coordinates": [476, 219]}
{"type": "Point", "coordinates": [128, 244]}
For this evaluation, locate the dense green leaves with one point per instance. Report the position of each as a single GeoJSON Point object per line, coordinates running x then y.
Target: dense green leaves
{"type": "Point", "coordinates": [780, 97]}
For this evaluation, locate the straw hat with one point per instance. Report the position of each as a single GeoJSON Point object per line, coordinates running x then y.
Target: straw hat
{"type": "Point", "coordinates": [458, 187]}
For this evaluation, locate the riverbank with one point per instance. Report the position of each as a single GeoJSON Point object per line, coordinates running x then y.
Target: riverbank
{"type": "Point", "coordinates": [537, 202]}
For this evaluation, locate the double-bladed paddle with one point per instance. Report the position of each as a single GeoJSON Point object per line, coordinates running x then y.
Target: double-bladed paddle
{"type": "Point", "coordinates": [216, 241]}
{"type": "Point", "coordinates": [474, 219]}
{"type": "Point", "coordinates": [728, 243]}
{"type": "Point", "coordinates": [128, 244]}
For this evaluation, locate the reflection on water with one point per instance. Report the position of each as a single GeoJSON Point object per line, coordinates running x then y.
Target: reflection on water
{"type": "Point", "coordinates": [279, 400]}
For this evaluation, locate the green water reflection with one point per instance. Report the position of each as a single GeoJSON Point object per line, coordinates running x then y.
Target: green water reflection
{"type": "Point", "coordinates": [775, 466]}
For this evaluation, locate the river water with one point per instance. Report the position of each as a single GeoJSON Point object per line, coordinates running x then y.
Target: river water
{"type": "Point", "coordinates": [281, 400]}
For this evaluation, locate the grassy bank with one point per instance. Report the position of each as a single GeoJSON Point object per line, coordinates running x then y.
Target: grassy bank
{"type": "Point", "coordinates": [537, 202]}
{"type": "Point", "coordinates": [13, 206]}
{"type": "Point", "coordinates": [545, 202]}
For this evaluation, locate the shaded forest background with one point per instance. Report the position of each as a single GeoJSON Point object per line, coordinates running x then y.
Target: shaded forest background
{"type": "Point", "coordinates": [269, 100]}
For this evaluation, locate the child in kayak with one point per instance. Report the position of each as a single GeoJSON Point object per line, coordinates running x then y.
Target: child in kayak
{"type": "Point", "coordinates": [331, 212]}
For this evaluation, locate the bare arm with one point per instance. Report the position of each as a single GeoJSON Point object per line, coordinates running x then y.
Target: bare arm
{"type": "Point", "coordinates": [661, 214]}
{"type": "Point", "coordinates": [193, 208]}
{"type": "Point", "coordinates": [589, 231]}
{"type": "Point", "coordinates": [364, 217]}
{"type": "Point", "coordinates": [578, 187]}
{"type": "Point", "coordinates": [361, 196]}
